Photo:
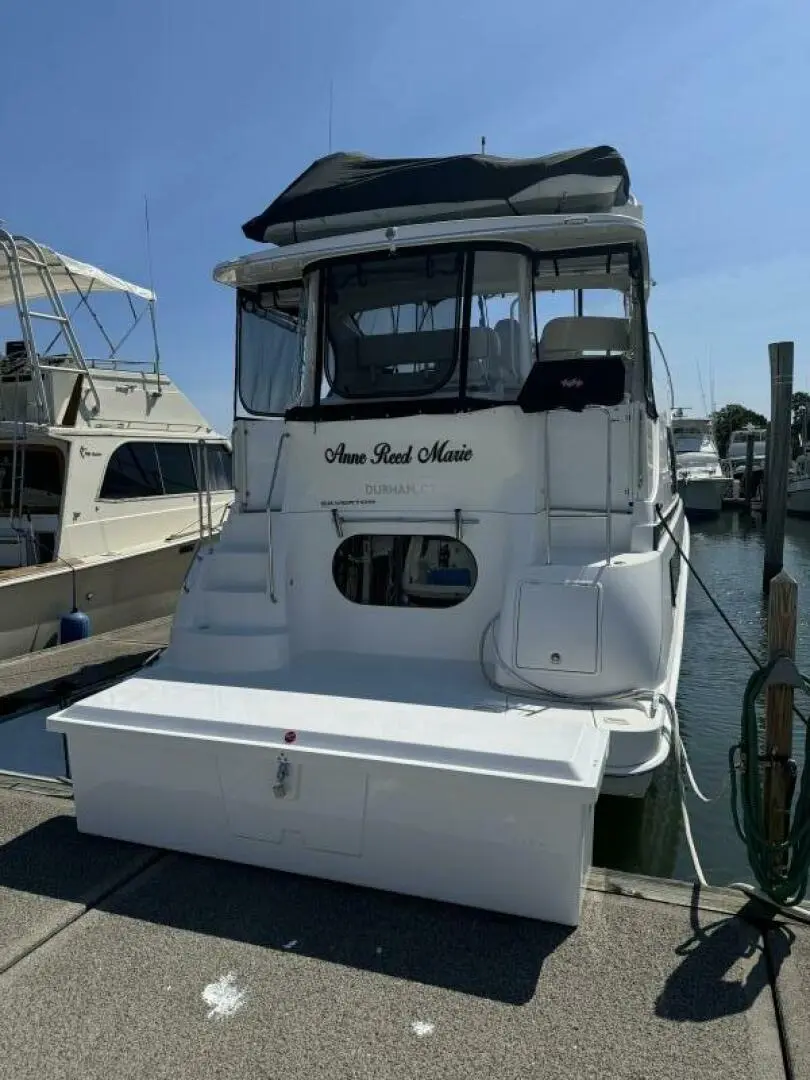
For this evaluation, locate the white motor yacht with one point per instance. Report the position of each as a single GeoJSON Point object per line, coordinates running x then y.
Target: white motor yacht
{"type": "Point", "coordinates": [447, 611]}
{"type": "Point", "coordinates": [701, 480]}
{"type": "Point", "coordinates": [108, 474]}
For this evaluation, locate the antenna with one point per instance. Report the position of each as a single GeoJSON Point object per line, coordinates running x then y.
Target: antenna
{"type": "Point", "coordinates": [712, 400]}
{"type": "Point", "coordinates": [483, 144]}
{"type": "Point", "coordinates": [702, 391]}
{"type": "Point", "coordinates": [331, 100]}
{"type": "Point", "coordinates": [152, 302]}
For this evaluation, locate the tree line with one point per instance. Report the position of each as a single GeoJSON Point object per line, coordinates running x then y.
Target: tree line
{"type": "Point", "coordinates": [733, 417]}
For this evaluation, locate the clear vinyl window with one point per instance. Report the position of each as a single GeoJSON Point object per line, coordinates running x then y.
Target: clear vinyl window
{"type": "Point", "coordinates": [269, 361]}
{"type": "Point", "coordinates": [392, 325]}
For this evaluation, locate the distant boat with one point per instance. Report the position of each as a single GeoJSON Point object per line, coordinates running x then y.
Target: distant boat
{"type": "Point", "coordinates": [701, 480]}
{"type": "Point", "coordinates": [736, 456]}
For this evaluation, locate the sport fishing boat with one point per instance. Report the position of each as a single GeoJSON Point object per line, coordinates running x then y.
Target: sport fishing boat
{"type": "Point", "coordinates": [701, 480]}
{"type": "Point", "coordinates": [108, 474]}
{"type": "Point", "coordinates": [448, 608]}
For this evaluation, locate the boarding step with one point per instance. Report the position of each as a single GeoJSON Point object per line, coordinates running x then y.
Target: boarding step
{"type": "Point", "coordinates": [242, 567]}
{"type": "Point", "coordinates": [217, 649]}
{"type": "Point", "coordinates": [245, 530]}
{"type": "Point", "coordinates": [240, 606]}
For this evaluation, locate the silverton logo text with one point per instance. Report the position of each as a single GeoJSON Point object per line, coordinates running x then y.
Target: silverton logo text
{"type": "Point", "coordinates": [441, 452]}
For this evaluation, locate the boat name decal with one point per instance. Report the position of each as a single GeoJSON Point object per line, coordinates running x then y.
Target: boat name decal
{"type": "Point", "coordinates": [441, 452]}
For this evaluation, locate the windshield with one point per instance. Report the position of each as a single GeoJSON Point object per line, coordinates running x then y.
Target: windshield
{"type": "Point", "coordinates": [737, 446]}
{"type": "Point", "coordinates": [691, 442]}
{"type": "Point", "coordinates": [394, 326]}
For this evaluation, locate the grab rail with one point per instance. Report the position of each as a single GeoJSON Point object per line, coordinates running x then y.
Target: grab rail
{"type": "Point", "coordinates": [271, 584]}
{"type": "Point", "coordinates": [457, 518]}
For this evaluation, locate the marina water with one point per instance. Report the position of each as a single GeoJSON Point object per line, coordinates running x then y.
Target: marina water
{"type": "Point", "coordinates": [647, 837]}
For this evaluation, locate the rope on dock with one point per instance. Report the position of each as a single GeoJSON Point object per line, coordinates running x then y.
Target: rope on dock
{"type": "Point", "coordinates": [780, 868]}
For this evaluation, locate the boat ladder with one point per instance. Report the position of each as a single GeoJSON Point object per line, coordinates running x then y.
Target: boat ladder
{"type": "Point", "coordinates": [21, 252]}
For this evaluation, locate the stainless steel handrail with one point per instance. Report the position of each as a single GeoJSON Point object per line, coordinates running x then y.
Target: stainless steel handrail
{"type": "Point", "coordinates": [271, 585]}
{"type": "Point", "coordinates": [457, 518]}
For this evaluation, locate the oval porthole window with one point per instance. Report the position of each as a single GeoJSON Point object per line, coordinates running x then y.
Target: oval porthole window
{"type": "Point", "coordinates": [404, 571]}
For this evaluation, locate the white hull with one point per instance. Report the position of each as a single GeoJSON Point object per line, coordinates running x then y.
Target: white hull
{"type": "Point", "coordinates": [798, 498]}
{"type": "Point", "coordinates": [704, 495]}
{"type": "Point", "coordinates": [116, 591]}
{"type": "Point", "coordinates": [634, 782]}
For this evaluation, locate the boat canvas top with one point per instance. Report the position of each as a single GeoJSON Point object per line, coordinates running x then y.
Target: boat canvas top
{"type": "Point", "coordinates": [349, 192]}
{"type": "Point", "coordinates": [67, 331]}
{"type": "Point", "coordinates": [68, 275]}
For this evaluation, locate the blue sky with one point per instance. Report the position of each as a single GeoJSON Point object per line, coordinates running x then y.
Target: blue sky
{"type": "Point", "coordinates": [211, 108]}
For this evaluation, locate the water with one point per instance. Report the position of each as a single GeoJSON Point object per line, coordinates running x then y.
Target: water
{"type": "Point", "coordinates": [26, 747]}
{"type": "Point", "coordinates": [644, 836]}
{"type": "Point", "coordinates": [647, 836]}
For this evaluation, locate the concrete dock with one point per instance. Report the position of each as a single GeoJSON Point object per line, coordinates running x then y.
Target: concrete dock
{"type": "Point", "coordinates": [67, 669]}
{"type": "Point", "coordinates": [121, 961]}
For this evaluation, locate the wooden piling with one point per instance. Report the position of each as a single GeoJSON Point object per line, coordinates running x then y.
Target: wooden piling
{"type": "Point", "coordinates": [778, 461]}
{"type": "Point", "coordinates": [782, 609]}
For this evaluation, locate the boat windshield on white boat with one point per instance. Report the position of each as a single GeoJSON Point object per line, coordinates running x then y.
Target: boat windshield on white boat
{"type": "Point", "coordinates": [447, 611]}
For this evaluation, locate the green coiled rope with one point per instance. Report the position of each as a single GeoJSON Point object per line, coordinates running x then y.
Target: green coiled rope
{"type": "Point", "coordinates": [781, 869]}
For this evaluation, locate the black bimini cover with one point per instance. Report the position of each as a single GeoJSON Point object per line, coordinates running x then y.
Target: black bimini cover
{"type": "Point", "coordinates": [345, 193]}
